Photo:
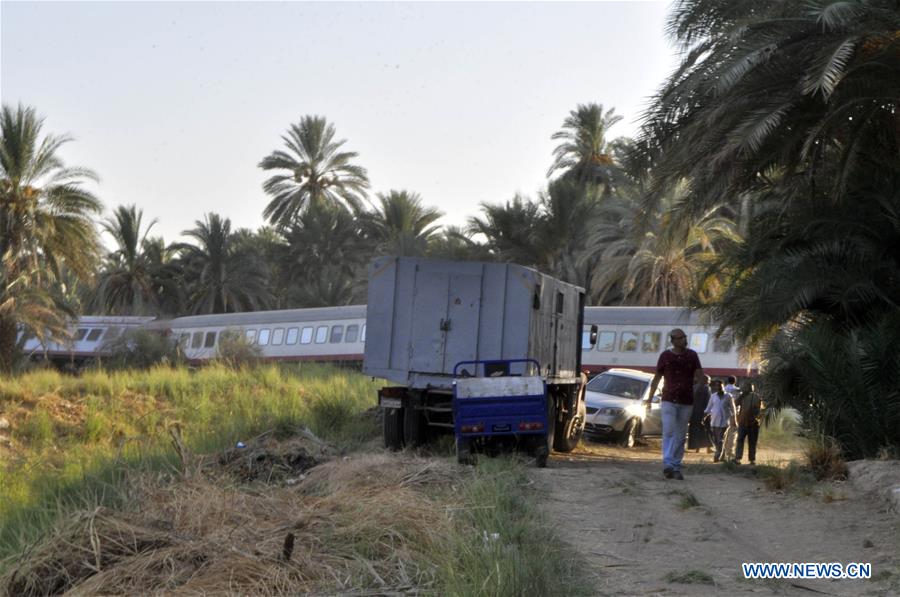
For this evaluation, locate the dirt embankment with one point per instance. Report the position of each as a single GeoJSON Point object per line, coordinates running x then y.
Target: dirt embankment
{"type": "Point", "coordinates": [644, 535]}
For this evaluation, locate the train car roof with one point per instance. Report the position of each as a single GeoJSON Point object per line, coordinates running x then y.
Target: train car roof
{"type": "Point", "coordinates": [671, 316]}
{"type": "Point", "coordinates": [87, 320]}
{"type": "Point", "coordinates": [264, 317]}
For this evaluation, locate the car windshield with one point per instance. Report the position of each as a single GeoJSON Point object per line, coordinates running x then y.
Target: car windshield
{"type": "Point", "coordinates": [615, 385]}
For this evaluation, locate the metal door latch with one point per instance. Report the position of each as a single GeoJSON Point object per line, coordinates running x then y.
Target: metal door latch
{"type": "Point", "coordinates": [445, 325]}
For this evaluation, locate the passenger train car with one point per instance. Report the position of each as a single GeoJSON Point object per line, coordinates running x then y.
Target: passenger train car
{"type": "Point", "coordinates": [633, 337]}
{"type": "Point", "coordinates": [630, 337]}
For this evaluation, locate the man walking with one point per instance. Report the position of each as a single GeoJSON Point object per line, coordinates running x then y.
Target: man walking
{"type": "Point", "coordinates": [681, 369]}
{"type": "Point", "coordinates": [731, 430]}
{"type": "Point", "coordinates": [748, 423]}
{"type": "Point", "coordinates": [721, 415]}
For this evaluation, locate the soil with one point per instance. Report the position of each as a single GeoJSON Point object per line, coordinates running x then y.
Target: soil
{"type": "Point", "coordinates": [641, 534]}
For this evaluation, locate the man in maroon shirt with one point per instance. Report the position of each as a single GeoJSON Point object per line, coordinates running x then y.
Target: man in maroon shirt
{"type": "Point", "coordinates": [680, 366]}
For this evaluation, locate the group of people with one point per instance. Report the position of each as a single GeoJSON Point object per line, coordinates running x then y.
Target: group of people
{"type": "Point", "coordinates": [715, 413]}
{"type": "Point", "coordinates": [722, 413]}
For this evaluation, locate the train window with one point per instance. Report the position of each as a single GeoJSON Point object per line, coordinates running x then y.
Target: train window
{"type": "Point", "coordinates": [699, 341]}
{"type": "Point", "coordinates": [278, 336]}
{"type": "Point", "coordinates": [292, 336]}
{"type": "Point", "coordinates": [306, 335]}
{"type": "Point", "coordinates": [362, 337]}
{"type": "Point", "coordinates": [250, 335]}
{"type": "Point", "coordinates": [650, 342]}
{"type": "Point", "coordinates": [197, 340]}
{"type": "Point", "coordinates": [606, 341]}
{"type": "Point", "coordinates": [321, 334]}
{"type": "Point", "coordinates": [264, 336]}
{"type": "Point", "coordinates": [629, 342]}
{"type": "Point", "coordinates": [352, 333]}
{"type": "Point", "coordinates": [723, 343]}
{"type": "Point", "coordinates": [586, 339]}
{"type": "Point", "coordinates": [337, 334]}
{"type": "Point", "coordinates": [94, 334]}
{"type": "Point", "coordinates": [210, 340]}
{"type": "Point", "coordinates": [80, 334]}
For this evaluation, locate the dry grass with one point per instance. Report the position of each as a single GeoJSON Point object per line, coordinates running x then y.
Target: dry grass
{"type": "Point", "coordinates": [362, 524]}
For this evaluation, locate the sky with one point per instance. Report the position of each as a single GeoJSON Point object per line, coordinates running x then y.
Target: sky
{"type": "Point", "coordinates": [173, 104]}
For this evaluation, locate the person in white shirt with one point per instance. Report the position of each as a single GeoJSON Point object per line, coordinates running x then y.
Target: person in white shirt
{"type": "Point", "coordinates": [721, 414]}
{"type": "Point", "coordinates": [731, 430]}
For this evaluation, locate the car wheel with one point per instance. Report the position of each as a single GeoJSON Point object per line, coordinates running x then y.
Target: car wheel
{"type": "Point", "coordinates": [630, 433]}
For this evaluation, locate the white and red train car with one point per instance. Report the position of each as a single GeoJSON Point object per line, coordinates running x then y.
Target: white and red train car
{"type": "Point", "coordinates": [629, 337]}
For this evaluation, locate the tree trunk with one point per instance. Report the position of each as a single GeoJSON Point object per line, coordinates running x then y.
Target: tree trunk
{"type": "Point", "coordinates": [7, 345]}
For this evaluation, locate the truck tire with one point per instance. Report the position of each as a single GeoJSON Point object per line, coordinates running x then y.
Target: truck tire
{"type": "Point", "coordinates": [464, 451]}
{"type": "Point", "coordinates": [393, 428]}
{"type": "Point", "coordinates": [414, 427]}
{"type": "Point", "coordinates": [569, 431]}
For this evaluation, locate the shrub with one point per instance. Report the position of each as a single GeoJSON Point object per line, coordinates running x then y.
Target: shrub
{"type": "Point", "coordinates": [235, 351]}
{"type": "Point", "coordinates": [140, 349]}
{"type": "Point", "coordinates": [825, 460]}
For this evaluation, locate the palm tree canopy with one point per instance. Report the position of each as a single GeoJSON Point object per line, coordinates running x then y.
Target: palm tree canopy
{"type": "Point", "coordinates": [314, 169]}
{"type": "Point", "coordinates": [46, 227]}
{"type": "Point", "coordinates": [585, 154]}
{"type": "Point", "coordinates": [221, 278]}
{"type": "Point", "coordinates": [775, 85]}
{"type": "Point", "coordinates": [401, 225]}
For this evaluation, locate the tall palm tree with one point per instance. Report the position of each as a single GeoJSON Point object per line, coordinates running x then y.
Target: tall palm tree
{"type": "Point", "coordinates": [585, 154]}
{"type": "Point", "coordinates": [220, 278]}
{"type": "Point", "coordinates": [313, 170]}
{"type": "Point", "coordinates": [45, 224]}
{"type": "Point", "coordinates": [401, 225]}
{"type": "Point", "coordinates": [457, 244]}
{"type": "Point", "coordinates": [138, 277]}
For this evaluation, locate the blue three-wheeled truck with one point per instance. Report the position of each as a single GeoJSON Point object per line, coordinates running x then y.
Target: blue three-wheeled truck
{"type": "Point", "coordinates": [489, 351]}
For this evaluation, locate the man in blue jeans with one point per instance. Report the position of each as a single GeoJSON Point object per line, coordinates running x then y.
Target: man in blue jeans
{"type": "Point", "coordinates": [680, 367]}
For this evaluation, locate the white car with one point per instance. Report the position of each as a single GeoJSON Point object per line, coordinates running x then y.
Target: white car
{"type": "Point", "coordinates": [615, 402]}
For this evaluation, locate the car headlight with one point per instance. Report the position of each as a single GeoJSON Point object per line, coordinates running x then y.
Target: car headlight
{"type": "Point", "coordinates": [612, 411]}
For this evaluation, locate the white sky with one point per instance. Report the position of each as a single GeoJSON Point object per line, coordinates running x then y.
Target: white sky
{"type": "Point", "coordinates": [174, 104]}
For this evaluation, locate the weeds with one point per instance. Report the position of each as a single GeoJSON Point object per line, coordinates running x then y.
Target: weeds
{"type": "Point", "coordinates": [691, 577]}
{"type": "Point", "coordinates": [826, 460]}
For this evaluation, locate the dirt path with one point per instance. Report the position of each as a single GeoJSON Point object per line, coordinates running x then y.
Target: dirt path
{"type": "Point", "coordinates": [636, 528]}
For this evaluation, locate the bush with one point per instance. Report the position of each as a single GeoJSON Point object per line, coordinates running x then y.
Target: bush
{"type": "Point", "coordinates": [140, 349]}
{"type": "Point", "coordinates": [825, 459]}
{"type": "Point", "coordinates": [235, 351]}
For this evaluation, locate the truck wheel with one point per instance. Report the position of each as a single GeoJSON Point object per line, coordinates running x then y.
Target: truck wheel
{"type": "Point", "coordinates": [541, 453]}
{"type": "Point", "coordinates": [629, 434]}
{"type": "Point", "coordinates": [569, 433]}
{"type": "Point", "coordinates": [464, 451]}
{"type": "Point", "coordinates": [414, 427]}
{"type": "Point", "coordinates": [393, 428]}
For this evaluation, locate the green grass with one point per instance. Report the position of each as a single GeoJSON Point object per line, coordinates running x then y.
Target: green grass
{"type": "Point", "coordinates": [503, 545]}
{"type": "Point", "coordinates": [63, 464]}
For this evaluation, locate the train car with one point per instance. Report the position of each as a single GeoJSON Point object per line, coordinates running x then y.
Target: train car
{"type": "Point", "coordinates": [319, 334]}
{"type": "Point", "coordinates": [90, 336]}
{"type": "Point", "coordinates": [633, 337]}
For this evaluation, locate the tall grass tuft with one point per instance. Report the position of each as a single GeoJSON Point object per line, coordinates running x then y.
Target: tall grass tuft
{"type": "Point", "coordinates": [508, 548]}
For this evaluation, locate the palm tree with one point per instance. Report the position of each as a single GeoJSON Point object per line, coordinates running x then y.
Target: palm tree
{"type": "Point", "coordinates": [791, 86]}
{"type": "Point", "coordinates": [324, 257]}
{"type": "Point", "coordinates": [45, 224]}
{"type": "Point", "coordinates": [585, 154]}
{"type": "Point", "coordinates": [139, 277]}
{"type": "Point", "coordinates": [401, 225]}
{"type": "Point", "coordinates": [513, 231]}
{"type": "Point", "coordinates": [220, 278]}
{"type": "Point", "coordinates": [457, 244]}
{"type": "Point", "coordinates": [665, 259]}
{"type": "Point", "coordinates": [314, 170]}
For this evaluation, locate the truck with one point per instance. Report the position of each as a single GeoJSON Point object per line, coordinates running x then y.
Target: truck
{"type": "Point", "coordinates": [476, 348]}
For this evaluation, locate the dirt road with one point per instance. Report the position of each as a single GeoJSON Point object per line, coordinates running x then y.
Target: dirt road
{"type": "Point", "coordinates": [644, 535]}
